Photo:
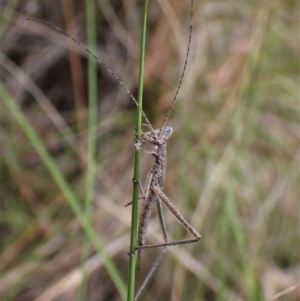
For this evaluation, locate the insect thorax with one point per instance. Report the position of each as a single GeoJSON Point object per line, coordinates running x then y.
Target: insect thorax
{"type": "Point", "coordinates": [159, 136]}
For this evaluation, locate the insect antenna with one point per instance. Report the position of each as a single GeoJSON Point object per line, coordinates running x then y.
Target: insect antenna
{"type": "Point", "coordinates": [184, 67]}
{"type": "Point", "coordinates": [102, 64]}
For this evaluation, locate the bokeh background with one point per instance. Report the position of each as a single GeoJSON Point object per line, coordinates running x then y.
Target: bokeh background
{"type": "Point", "coordinates": [233, 160]}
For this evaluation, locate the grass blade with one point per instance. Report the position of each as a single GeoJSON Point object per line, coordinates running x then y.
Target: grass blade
{"type": "Point", "coordinates": [63, 185]}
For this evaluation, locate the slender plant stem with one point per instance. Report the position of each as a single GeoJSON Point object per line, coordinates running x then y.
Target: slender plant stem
{"type": "Point", "coordinates": [134, 216]}
{"type": "Point", "coordinates": [92, 137]}
{"type": "Point", "coordinates": [92, 109]}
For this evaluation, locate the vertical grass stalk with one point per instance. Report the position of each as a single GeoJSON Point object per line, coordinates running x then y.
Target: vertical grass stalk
{"type": "Point", "coordinates": [92, 136]}
{"type": "Point", "coordinates": [134, 216]}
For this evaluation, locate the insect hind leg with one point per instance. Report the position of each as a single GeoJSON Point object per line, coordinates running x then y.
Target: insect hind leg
{"type": "Point", "coordinates": [179, 217]}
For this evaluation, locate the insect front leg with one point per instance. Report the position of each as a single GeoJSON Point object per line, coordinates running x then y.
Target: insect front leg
{"type": "Point", "coordinates": [145, 191]}
{"type": "Point", "coordinates": [138, 147]}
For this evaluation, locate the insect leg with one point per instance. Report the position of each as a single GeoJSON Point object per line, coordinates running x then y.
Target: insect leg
{"type": "Point", "coordinates": [179, 217]}
{"type": "Point", "coordinates": [161, 253]}
{"type": "Point", "coordinates": [138, 147]}
{"type": "Point", "coordinates": [146, 191]}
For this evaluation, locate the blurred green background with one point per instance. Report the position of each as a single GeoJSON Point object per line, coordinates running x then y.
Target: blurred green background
{"type": "Point", "coordinates": [233, 160]}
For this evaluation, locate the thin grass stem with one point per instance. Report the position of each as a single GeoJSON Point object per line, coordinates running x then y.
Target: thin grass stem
{"type": "Point", "coordinates": [134, 216]}
{"type": "Point", "coordinates": [92, 137]}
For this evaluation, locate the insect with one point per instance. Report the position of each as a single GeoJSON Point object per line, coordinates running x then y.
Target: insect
{"type": "Point", "coordinates": [152, 193]}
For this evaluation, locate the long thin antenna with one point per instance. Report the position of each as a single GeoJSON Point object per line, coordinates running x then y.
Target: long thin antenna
{"type": "Point", "coordinates": [102, 64]}
{"type": "Point", "coordinates": [184, 68]}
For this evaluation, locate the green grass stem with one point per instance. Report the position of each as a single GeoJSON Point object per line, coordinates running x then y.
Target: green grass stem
{"type": "Point", "coordinates": [92, 136]}
{"type": "Point", "coordinates": [134, 216]}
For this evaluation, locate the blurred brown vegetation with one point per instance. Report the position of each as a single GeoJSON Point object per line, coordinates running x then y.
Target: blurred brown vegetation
{"type": "Point", "coordinates": [233, 162]}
